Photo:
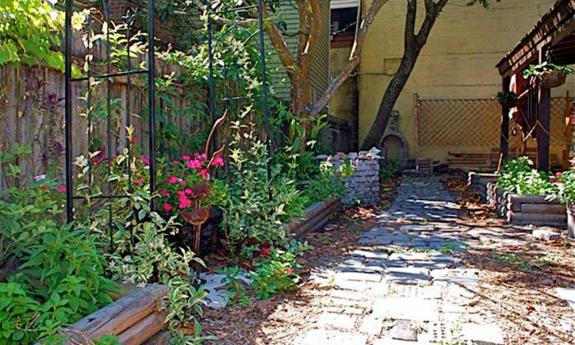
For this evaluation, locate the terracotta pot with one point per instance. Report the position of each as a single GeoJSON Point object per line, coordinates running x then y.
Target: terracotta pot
{"type": "Point", "coordinates": [571, 220]}
{"type": "Point", "coordinates": [553, 79]}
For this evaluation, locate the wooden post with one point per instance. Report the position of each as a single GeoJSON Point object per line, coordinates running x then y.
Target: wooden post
{"type": "Point", "coordinates": [504, 133]}
{"type": "Point", "coordinates": [543, 123]}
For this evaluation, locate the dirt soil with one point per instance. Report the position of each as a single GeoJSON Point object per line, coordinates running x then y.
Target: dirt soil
{"type": "Point", "coordinates": [519, 274]}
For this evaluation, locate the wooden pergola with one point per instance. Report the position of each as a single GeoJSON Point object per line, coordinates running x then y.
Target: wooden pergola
{"type": "Point", "coordinates": [552, 39]}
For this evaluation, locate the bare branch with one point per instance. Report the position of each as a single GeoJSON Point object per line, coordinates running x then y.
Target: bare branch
{"type": "Point", "coordinates": [410, 17]}
{"type": "Point", "coordinates": [354, 57]}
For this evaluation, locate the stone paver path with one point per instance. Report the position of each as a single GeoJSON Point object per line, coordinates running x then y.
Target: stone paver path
{"type": "Point", "coordinates": [405, 283]}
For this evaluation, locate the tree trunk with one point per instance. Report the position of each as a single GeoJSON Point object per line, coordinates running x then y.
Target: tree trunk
{"type": "Point", "coordinates": [390, 97]}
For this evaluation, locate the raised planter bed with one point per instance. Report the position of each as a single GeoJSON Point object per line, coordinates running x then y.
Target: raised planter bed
{"type": "Point", "coordinates": [135, 318]}
{"type": "Point", "coordinates": [315, 216]}
{"type": "Point", "coordinates": [478, 183]}
{"type": "Point", "coordinates": [527, 209]}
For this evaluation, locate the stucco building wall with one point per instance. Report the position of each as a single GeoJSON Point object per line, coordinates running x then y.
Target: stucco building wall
{"type": "Point", "coordinates": [457, 62]}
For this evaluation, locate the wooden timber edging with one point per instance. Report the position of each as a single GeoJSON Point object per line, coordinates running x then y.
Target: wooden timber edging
{"type": "Point", "coordinates": [478, 183]}
{"type": "Point", "coordinates": [527, 209]}
{"type": "Point", "coordinates": [134, 319]}
{"type": "Point", "coordinates": [315, 216]}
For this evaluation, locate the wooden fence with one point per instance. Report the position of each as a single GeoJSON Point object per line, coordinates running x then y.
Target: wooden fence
{"type": "Point", "coordinates": [32, 113]}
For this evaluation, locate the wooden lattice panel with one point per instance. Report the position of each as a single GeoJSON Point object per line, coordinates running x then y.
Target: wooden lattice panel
{"type": "Point", "coordinates": [458, 122]}
{"type": "Point", "coordinates": [473, 123]}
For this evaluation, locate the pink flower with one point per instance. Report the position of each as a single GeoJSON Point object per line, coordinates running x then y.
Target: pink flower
{"type": "Point", "coordinates": [194, 164]}
{"type": "Point", "coordinates": [182, 182]}
{"type": "Point", "coordinates": [188, 191]}
{"type": "Point", "coordinates": [145, 160]}
{"type": "Point", "coordinates": [217, 162]}
{"type": "Point", "coordinates": [181, 193]}
{"type": "Point", "coordinates": [173, 180]}
{"type": "Point", "coordinates": [175, 161]}
{"type": "Point", "coordinates": [139, 180]}
{"type": "Point", "coordinates": [186, 157]}
{"type": "Point", "coordinates": [168, 207]}
{"type": "Point", "coordinates": [61, 188]}
{"type": "Point", "coordinates": [184, 202]}
{"type": "Point", "coordinates": [205, 174]}
{"type": "Point", "coordinates": [134, 139]}
{"type": "Point", "coordinates": [164, 192]}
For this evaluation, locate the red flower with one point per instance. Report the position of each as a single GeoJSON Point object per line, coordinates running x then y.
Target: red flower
{"type": "Point", "coordinates": [139, 180]}
{"type": "Point", "coordinates": [186, 157]}
{"type": "Point", "coordinates": [145, 160]}
{"type": "Point", "coordinates": [172, 180]}
{"type": "Point", "coordinates": [188, 191]}
{"type": "Point", "coordinates": [164, 193]}
{"type": "Point", "coordinates": [43, 187]}
{"type": "Point", "coordinates": [61, 188]}
{"type": "Point", "coordinates": [168, 207]}
{"type": "Point", "coordinates": [289, 271]}
{"type": "Point", "coordinates": [134, 139]}
{"type": "Point", "coordinates": [265, 252]}
{"type": "Point", "coordinates": [558, 174]}
{"type": "Point", "coordinates": [202, 157]}
{"type": "Point", "coordinates": [194, 164]}
{"type": "Point", "coordinates": [205, 174]}
{"type": "Point", "coordinates": [182, 182]}
{"type": "Point", "coordinates": [217, 162]}
{"type": "Point", "coordinates": [184, 202]}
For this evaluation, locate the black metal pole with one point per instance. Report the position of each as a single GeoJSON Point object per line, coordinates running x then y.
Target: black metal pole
{"type": "Point", "coordinates": [265, 105]}
{"type": "Point", "coordinates": [211, 89]}
{"type": "Point", "coordinates": [68, 110]}
{"type": "Point", "coordinates": [151, 99]}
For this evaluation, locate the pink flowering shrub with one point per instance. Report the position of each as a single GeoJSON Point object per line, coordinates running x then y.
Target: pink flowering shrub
{"type": "Point", "coordinates": [188, 183]}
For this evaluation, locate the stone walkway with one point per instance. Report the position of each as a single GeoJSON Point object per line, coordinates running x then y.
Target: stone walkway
{"type": "Point", "coordinates": [405, 283]}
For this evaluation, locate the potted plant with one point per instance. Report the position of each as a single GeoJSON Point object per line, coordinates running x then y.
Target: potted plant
{"type": "Point", "coordinates": [551, 75]}
{"type": "Point", "coordinates": [508, 99]}
{"type": "Point", "coordinates": [566, 194]}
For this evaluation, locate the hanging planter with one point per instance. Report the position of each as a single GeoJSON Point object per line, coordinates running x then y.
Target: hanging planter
{"type": "Point", "coordinates": [552, 79]}
{"type": "Point", "coordinates": [507, 99]}
{"type": "Point", "coordinates": [550, 75]}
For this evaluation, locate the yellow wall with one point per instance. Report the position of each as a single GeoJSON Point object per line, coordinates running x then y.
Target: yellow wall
{"type": "Point", "coordinates": [457, 62]}
{"type": "Point", "coordinates": [341, 105]}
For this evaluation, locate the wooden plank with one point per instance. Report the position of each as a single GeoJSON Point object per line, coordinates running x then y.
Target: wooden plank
{"type": "Point", "coordinates": [122, 314]}
{"type": "Point", "coordinates": [162, 338]}
{"type": "Point", "coordinates": [143, 330]}
{"type": "Point", "coordinates": [539, 218]}
{"type": "Point", "coordinates": [543, 208]}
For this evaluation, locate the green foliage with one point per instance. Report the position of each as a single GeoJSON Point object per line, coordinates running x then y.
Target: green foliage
{"type": "Point", "coordinates": [256, 205]}
{"type": "Point", "coordinates": [564, 186]}
{"type": "Point", "coordinates": [389, 170]}
{"type": "Point", "coordinates": [236, 290]}
{"type": "Point", "coordinates": [329, 182]}
{"type": "Point", "coordinates": [28, 31]}
{"type": "Point", "coordinates": [545, 67]}
{"type": "Point", "coordinates": [518, 176]}
{"type": "Point", "coordinates": [275, 274]}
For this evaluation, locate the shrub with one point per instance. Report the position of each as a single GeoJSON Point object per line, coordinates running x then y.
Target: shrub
{"type": "Point", "coordinates": [275, 274]}
{"type": "Point", "coordinates": [256, 204]}
{"type": "Point", "coordinates": [519, 177]}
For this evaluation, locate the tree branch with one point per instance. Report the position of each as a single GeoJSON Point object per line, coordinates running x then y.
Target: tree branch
{"type": "Point", "coordinates": [410, 17]}
{"type": "Point", "coordinates": [354, 57]}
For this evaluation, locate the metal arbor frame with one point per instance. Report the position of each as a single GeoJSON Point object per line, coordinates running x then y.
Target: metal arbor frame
{"type": "Point", "coordinates": [107, 77]}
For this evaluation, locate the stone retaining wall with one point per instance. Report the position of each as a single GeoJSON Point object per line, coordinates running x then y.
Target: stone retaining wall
{"type": "Point", "coordinates": [526, 209]}
{"type": "Point", "coordinates": [363, 185]}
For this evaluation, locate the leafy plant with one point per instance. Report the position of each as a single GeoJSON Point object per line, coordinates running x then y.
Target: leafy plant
{"type": "Point", "coordinates": [541, 69]}
{"type": "Point", "coordinates": [518, 176]}
{"type": "Point", "coordinates": [275, 274]}
{"type": "Point", "coordinates": [329, 182]}
{"type": "Point", "coordinates": [564, 186]}
{"type": "Point", "coordinates": [236, 290]}
{"type": "Point", "coordinates": [256, 203]}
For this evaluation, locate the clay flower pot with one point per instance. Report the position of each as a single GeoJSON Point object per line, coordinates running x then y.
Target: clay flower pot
{"type": "Point", "coordinates": [196, 217]}
{"type": "Point", "coordinates": [571, 220]}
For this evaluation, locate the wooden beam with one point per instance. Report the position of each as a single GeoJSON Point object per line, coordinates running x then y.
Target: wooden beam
{"type": "Point", "coordinates": [543, 122]}
{"type": "Point", "coordinates": [504, 131]}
